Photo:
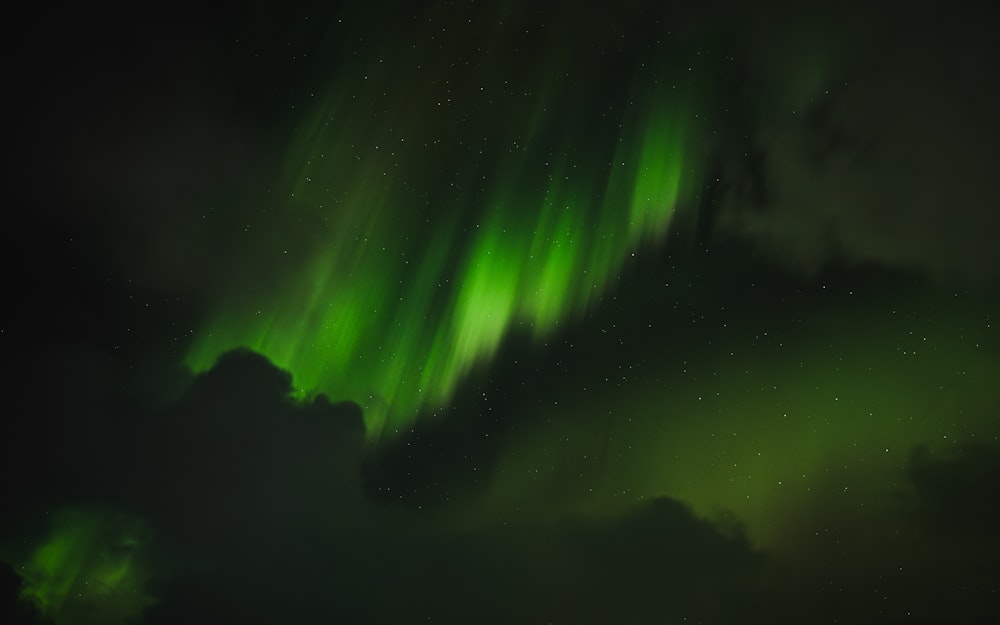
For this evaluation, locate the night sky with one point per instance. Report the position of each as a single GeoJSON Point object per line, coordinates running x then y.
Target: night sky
{"type": "Point", "coordinates": [501, 312]}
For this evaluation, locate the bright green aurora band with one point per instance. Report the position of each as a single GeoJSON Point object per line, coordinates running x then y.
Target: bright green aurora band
{"type": "Point", "coordinates": [451, 208]}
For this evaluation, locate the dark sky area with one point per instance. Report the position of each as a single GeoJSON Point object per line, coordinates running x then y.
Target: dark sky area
{"type": "Point", "coordinates": [501, 312]}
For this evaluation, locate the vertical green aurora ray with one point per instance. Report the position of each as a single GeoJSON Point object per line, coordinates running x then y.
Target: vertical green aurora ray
{"type": "Point", "coordinates": [439, 236]}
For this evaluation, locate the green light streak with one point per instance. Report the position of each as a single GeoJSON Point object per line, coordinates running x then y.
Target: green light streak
{"type": "Point", "coordinates": [87, 570]}
{"type": "Point", "coordinates": [434, 242]}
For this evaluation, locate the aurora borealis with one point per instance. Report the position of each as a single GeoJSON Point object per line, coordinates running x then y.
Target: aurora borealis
{"type": "Point", "coordinates": [468, 312]}
{"type": "Point", "coordinates": [87, 568]}
{"type": "Point", "coordinates": [523, 222]}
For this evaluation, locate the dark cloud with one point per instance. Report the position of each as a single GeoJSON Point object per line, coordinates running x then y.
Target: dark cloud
{"type": "Point", "coordinates": [236, 460]}
{"type": "Point", "coordinates": [869, 138]}
{"type": "Point", "coordinates": [12, 609]}
{"type": "Point", "coordinates": [248, 493]}
{"type": "Point", "coordinates": [661, 562]}
{"type": "Point", "coordinates": [251, 509]}
{"type": "Point", "coordinates": [261, 496]}
{"type": "Point", "coordinates": [952, 493]}
{"type": "Point", "coordinates": [245, 492]}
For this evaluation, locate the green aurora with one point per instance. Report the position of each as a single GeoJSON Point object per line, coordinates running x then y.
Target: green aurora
{"type": "Point", "coordinates": [89, 568]}
{"type": "Point", "coordinates": [792, 432]}
{"type": "Point", "coordinates": [411, 282]}
{"type": "Point", "coordinates": [649, 317]}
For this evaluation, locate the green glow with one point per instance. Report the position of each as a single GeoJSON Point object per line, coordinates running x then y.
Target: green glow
{"type": "Point", "coordinates": [88, 569]}
{"type": "Point", "coordinates": [807, 434]}
{"type": "Point", "coordinates": [412, 282]}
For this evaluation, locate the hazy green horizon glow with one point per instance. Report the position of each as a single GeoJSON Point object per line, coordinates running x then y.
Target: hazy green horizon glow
{"type": "Point", "coordinates": [803, 435]}
{"type": "Point", "coordinates": [429, 251]}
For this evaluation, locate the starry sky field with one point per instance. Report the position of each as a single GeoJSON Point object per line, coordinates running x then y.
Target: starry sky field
{"type": "Point", "coordinates": [502, 312]}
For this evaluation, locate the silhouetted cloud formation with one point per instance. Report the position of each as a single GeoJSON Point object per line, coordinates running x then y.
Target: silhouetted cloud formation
{"type": "Point", "coordinates": [275, 512]}
{"type": "Point", "coordinates": [953, 492]}
{"type": "Point", "coordinates": [865, 144]}
{"type": "Point", "coordinates": [248, 508]}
